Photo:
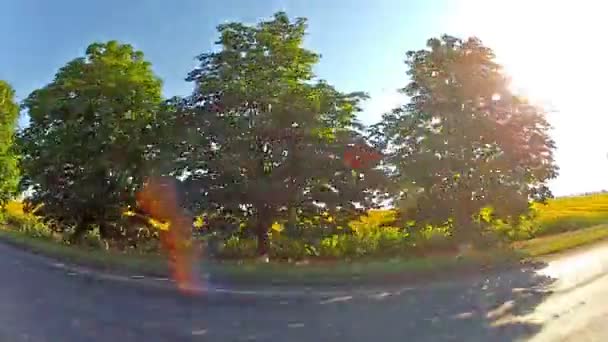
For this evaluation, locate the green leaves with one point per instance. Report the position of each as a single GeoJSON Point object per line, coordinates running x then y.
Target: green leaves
{"type": "Point", "coordinates": [9, 171]}
{"type": "Point", "coordinates": [87, 133]}
{"type": "Point", "coordinates": [263, 140]}
{"type": "Point", "coordinates": [276, 135]}
{"type": "Point", "coordinates": [464, 140]}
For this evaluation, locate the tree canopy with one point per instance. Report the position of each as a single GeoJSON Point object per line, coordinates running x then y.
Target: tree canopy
{"type": "Point", "coordinates": [465, 141]}
{"type": "Point", "coordinates": [9, 170]}
{"type": "Point", "coordinates": [273, 135]}
{"type": "Point", "coordinates": [262, 141]}
{"type": "Point", "coordinates": [85, 147]}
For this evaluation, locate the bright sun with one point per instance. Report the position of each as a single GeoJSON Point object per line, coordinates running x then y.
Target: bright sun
{"type": "Point", "coordinates": [555, 53]}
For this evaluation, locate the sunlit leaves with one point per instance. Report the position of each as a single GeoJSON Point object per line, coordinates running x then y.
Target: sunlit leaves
{"type": "Point", "coordinates": [275, 135]}
{"type": "Point", "coordinates": [9, 171]}
{"type": "Point", "coordinates": [86, 145]}
{"type": "Point", "coordinates": [464, 141]}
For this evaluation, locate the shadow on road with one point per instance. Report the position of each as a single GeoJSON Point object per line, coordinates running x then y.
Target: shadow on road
{"type": "Point", "coordinates": [479, 308]}
{"type": "Point", "coordinates": [488, 308]}
{"type": "Point", "coordinates": [482, 308]}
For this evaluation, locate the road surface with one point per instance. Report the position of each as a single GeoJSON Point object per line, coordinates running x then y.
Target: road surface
{"type": "Point", "coordinates": [562, 299]}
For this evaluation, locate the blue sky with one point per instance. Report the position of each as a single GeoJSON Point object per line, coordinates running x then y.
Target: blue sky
{"type": "Point", "coordinates": [362, 43]}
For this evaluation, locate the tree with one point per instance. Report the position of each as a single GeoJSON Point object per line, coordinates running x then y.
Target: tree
{"type": "Point", "coordinates": [266, 138]}
{"type": "Point", "coordinates": [465, 142]}
{"type": "Point", "coordinates": [87, 144]}
{"type": "Point", "coordinates": [9, 170]}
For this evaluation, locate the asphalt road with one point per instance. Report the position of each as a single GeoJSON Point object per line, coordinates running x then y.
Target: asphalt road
{"type": "Point", "coordinates": [562, 299]}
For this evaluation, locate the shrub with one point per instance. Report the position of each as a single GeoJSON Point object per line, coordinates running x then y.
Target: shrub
{"type": "Point", "coordinates": [336, 246]}
{"type": "Point", "coordinates": [285, 248]}
{"type": "Point", "coordinates": [373, 222]}
{"type": "Point", "coordinates": [27, 224]}
{"type": "Point", "coordinates": [431, 238]}
{"type": "Point", "coordinates": [393, 241]}
{"type": "Point", "coordinates": [389, 241]}
{"type": "Point", "coordinates": [522, 230]}
{"type": "Point", "coordinates": [237, 248]}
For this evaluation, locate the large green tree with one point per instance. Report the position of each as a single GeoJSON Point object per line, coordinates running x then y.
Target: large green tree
{"type": "Point", "coordinates": [465, 141]}
{"type": "Point", "coordinates": [266, 139]}
{"type": "Point", "coordinates": [9, 171]}
{"type": "Point", "coordinates": [90, 136]}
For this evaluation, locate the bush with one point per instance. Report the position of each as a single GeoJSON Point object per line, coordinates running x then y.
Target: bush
{"type": "Point", "coordinates": [285, 248]}
{"type": "Point", "coordinates": [27, 224]}
{"type": "Point", "coordinates": [430, 239]}
{"type": "Point", "coordinates": [523, 230]}
{"type": "Point", "coordinates": [393, 241]}
{"type": "Point", "coordinates": [238, 248]}
{"type": "Point", "coordinates": [389, 241]}
{"type": "Point", "coordinates": [92, 239]}
{"type": "Point", "coordinates": [337, 246]}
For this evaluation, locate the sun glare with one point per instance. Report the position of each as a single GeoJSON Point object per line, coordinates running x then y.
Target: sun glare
{"type": "Point", "coordinates": [553, 51]}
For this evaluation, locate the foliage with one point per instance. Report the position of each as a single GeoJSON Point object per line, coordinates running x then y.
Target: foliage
{"type": "Point", "coordinates": [26, 223]}
{"type": "Point", "coordinates": [385, 243]}
{"type": "Point", "coordinates": [9, 171]}
{"type": "Point", "coordinates": [429, 239]}
{"type": "Point", "coordinates": [84, 150]}
{"type": "Point", "coordinates": [236, 247]}
{"type": "Point", "coordinates": [377, 240]}
{"type": "Point", "coordinates": [465, 142]}
{"type": "Point", "coordinates": [373, 221]}
{"type": "Point", "coordinates": [272, 160]}
{"type": "Point", "coordinates": [269, 136]}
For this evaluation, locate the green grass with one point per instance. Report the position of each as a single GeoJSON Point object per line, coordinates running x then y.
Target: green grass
{"type": "Point", "coordinates": [405, 268]}
{"type": "Point", "coordinates": [563, 223]}
{"type": "Point", "coordinates": [97, 258]}
{"type": "Point", "coordinates": [563, 241]}
{"type": "Point", "coordinates": [356, 272]}
{"type": "Point", "coordinates": [319, 273]}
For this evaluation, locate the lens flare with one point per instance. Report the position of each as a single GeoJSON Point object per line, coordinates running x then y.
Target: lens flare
{"type": "Point", "coordinates": [159, 199]}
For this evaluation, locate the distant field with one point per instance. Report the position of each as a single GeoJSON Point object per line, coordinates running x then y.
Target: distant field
{"type": "Point", "coordinates": [558, 215]}
{"type": "Point", "coordinates": [571, 213]}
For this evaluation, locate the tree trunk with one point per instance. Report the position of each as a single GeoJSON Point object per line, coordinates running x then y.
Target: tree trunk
{"type": "Point", "coordinates": [291, 227]}
{"type": "Point", "coordinates": [79, 231]}
{"type": "Point", "coordinates": [467, 232]}
{"type": "Point", "coordinates": [261, 231]}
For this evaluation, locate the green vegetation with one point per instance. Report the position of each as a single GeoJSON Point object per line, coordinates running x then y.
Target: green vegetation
{"type": "Point", "coordinates": [280, 131]}
{"type": "Point", "coordinates": [314, 272]}
{"type": "Point", "coordinates": [86, 144]}
{"type": "Point", "coordinates": [9, 171]}
{"type": "Point", "coordinates": [272, 161]}
{"type": "Point", "coordinates": [562, 241]}
{"type": "Point", "coordinates": [83, 256]}
{"type": "Point", "coordinates": [571, 213]}
{"type": "Point", "coordinates": [465, 142]}
{"type": "Point", "coordinates": [335, 266]}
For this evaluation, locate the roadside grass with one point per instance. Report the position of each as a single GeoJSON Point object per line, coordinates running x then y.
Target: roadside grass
{"type": "Point", "coordinates": [90, 257]}
{"type": "Point", "coordinates": [560, 242]}
{"type": "Point", "coordinates": [362, 271]}
{"type": "Point", "coordinates": [255, 272]}
{"type": "Point", "coordinates": [317, 272]}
